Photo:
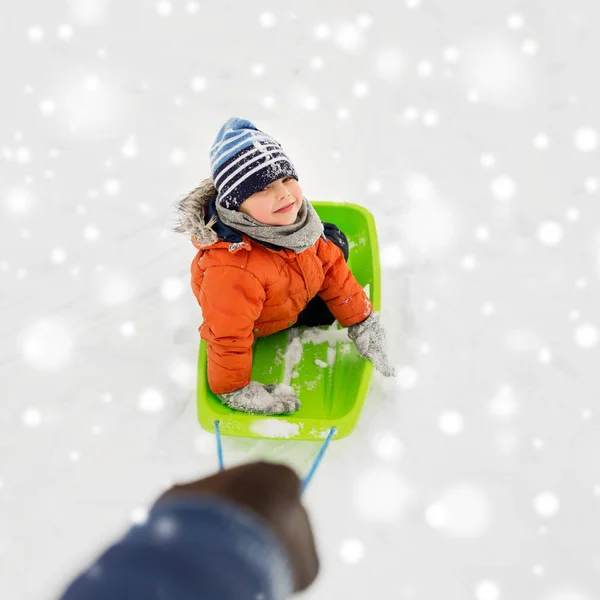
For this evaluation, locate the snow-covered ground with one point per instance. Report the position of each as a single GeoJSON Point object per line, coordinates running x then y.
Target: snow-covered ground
{"type": "Point", "coordinates": [469, 129]}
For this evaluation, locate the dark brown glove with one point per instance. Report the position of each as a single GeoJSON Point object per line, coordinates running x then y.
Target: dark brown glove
{"type": "Point", "coordinates": [272, 492]}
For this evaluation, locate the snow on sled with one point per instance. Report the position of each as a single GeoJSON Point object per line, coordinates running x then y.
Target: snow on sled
{"type": "Point", "coordinates": [321, 364]}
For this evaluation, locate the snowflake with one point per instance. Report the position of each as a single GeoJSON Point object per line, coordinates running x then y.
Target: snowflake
{"type": "Point", "coordinates": [352, 551]}
{"type": "Point", "coordinates": [151, 401]}
{"type": "Point", "coordinates": [451, 422]}
{"type": "Point", "coordinates": [586, 139]}
{"type": "Point", "coordinates": [546, 504]}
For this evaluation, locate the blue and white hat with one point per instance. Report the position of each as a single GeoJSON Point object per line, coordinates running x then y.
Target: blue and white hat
{"type": "Point", "coordinates": [244, 160]}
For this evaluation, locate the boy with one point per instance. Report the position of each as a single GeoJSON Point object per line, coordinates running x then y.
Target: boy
{"type": "Point", "coordinates": [265, 263]}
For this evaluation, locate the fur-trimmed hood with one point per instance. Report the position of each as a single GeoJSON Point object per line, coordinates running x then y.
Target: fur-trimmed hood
{"type": "Point", "coordinates": [198, 217]}
{"type": "Point", "coordinates": [195, 215]}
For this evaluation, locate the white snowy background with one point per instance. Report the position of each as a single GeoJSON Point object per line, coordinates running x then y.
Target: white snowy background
{"type": "Point", "coordinates": [470, 130]}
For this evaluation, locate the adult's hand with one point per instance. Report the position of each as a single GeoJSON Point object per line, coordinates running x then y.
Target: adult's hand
{"type": "Point", "coordinates": [272, 492]}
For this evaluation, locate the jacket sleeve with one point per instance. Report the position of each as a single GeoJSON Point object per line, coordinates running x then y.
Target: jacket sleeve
{"type": "Point", "coordinates": [190, 549]}
{"type": "Point", "coordinates": [231, 300]}
{"type": "Point", "coordinates": [344, 296]}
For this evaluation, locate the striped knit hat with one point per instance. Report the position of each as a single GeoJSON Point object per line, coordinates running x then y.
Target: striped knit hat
{"type": "Point", "coordinates": [244, 160]}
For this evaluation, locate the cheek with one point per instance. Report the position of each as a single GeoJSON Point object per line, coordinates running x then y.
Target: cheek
{"type": "Point", "coordinates": [263, 213]}
{"type": "Point", "coordinates": [255, 207]}
{"type": "Point", "coordinates": [296, 191]}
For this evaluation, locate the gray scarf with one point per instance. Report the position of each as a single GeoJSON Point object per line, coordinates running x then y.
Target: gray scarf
{"type": "Point", "coordinates": [298, 236]}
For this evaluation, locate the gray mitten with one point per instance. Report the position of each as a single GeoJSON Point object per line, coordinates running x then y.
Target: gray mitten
{"type": "Point", "coordinates": [369, 339]}
{"type": "Point", "coordinates": [262, 399]}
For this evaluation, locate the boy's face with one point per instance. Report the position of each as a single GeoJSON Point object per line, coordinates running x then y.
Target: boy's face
{"type": "Point", "coordinates": [265, 206]}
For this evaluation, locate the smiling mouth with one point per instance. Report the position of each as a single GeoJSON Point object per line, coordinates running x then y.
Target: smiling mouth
{"type": "Point", "coordinates": [285, 208]}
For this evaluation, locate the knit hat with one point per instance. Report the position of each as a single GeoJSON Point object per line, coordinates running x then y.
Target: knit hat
{"type": "Point", "coordinates": [244, 160]}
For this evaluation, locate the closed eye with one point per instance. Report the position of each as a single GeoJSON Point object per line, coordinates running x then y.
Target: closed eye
{"type": "Point", "coordinates": [286, 179]}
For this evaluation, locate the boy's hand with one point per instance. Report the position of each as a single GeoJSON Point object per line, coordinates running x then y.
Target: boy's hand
{"type": "Point", "coordinates": [369, 339]}
{"type": "Point", "coordinates": [262, 399]}
{"type": "Point", "coordinates": [272, 492]}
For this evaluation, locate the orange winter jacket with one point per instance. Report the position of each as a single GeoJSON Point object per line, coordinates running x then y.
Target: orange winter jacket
{"type": "Point", "coordinates": [248, 290]}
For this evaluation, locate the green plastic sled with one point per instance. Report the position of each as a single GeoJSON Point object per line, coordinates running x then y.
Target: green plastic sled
{"type": "Point", "coordinates": [331, 379]}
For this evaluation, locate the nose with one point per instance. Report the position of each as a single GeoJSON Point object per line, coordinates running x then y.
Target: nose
{"type": "Point", "coordinates": [281, 190]}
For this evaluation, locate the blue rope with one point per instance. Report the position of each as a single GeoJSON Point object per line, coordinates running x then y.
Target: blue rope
{"type": "Point", "coordinates": [317, 461]}
{"type": "Point", "coordinates": [219, 446]}
{"type": "Point", "coordinates": [313, 468]}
